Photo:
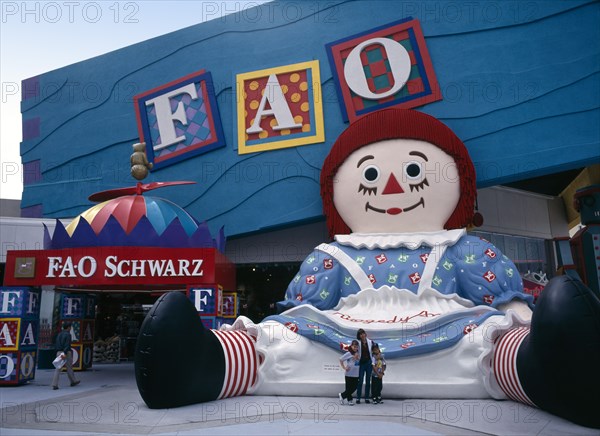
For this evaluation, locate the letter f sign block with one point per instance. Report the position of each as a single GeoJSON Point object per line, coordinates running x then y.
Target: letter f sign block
{"type": "Point", "coordinates": [206, 300]}
{"type": "Point", "coordinates": [383, 67]}
{"type": "Point", "coordinates": [179, 119]}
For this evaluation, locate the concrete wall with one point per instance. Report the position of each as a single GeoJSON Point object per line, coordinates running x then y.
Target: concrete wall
{"type": "Point", "coordinates": [514, 212]}
{"type": "Point", "coordinates": [23, 234]}
{"type": "Point", "coordinates": [10, 208]}
{"type": "Point", "coordinates": [286, 245]}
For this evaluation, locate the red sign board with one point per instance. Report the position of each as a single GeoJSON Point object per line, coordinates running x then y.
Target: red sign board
{"type": "Point", "coordinates": [119, 267]}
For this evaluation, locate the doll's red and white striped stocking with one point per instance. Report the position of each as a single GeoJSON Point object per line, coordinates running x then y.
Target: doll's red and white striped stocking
{"type": "Point", "coordinates": [241, 362]}
{"type": "Point", "coordinates": [505, 364]}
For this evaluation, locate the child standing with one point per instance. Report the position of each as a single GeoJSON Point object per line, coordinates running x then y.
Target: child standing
{"type": "Point", "coordinates": [350, 363]}
{"type": "Point", "coordinates": [379, 366]}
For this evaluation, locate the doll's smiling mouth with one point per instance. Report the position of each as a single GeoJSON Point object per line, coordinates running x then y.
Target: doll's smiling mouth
{"type": "Point", "coordinates": [395, 210]}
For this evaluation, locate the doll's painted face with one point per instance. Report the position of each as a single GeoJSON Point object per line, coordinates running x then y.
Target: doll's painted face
{"type": "Point", "coordinates": [397, 186]}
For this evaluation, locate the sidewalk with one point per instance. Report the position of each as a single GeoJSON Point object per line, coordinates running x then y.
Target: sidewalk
{"type": "Point", "coordinates": [107, 402]}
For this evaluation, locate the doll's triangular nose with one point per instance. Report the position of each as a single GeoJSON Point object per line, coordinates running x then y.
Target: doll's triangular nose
{"type": "Point", "coordinates": [392, 186]}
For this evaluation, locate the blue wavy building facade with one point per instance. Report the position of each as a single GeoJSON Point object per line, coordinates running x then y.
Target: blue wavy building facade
{"type": "Point", "coordinates": [519, 82]}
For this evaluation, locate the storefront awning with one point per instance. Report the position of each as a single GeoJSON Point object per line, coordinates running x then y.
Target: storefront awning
{"type": "Point", "coordinates": [118, 268]}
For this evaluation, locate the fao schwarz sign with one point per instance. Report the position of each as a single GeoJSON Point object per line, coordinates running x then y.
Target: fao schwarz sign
{"type": "Point", "coordinates": [281, 107]}
{"type": "Point", "coordinates": [113, 266]}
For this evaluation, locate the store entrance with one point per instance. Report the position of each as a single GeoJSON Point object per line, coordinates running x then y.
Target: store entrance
{"type": "Point", "coordinates": [261, 286]}
{"type": "Point", "coordinates": [119, 317]}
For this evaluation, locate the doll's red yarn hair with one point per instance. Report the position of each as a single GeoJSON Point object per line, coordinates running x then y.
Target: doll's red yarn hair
{"type": "Point", "coordinates": [398, 124]}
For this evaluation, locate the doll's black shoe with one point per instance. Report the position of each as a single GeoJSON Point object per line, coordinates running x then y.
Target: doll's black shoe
{"type": "Point", "coordinates": [177, 360]}
{"type": "Point", "coordinates": [558, 362]}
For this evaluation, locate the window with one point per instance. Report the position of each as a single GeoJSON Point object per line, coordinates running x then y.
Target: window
{"type": "Point", "coordinates": [530, 255]}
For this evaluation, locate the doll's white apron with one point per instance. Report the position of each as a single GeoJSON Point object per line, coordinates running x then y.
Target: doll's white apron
{"type": "Point", "coordinates": [294, 365]}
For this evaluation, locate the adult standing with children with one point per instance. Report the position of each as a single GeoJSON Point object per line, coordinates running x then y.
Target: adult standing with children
{"type": "Point", "coordinates": [365, 365]}
{"type": "Point", "coordinates": [63, 349]}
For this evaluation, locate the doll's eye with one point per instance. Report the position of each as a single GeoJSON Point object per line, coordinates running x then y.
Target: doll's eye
{"type": "Point", "coordinates": [413, 170]}
{"type": "Point", "coordinates": [371, 173]}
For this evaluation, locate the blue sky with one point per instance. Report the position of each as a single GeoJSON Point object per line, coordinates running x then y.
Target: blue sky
{"type": "Point", "coordinates": [36, 37]}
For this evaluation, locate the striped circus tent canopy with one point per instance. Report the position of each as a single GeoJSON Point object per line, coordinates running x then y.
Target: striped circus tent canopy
{"type": "Point", "coordinates": [128, 211]}
{"type": "Point", "coordinates": [134, 220]}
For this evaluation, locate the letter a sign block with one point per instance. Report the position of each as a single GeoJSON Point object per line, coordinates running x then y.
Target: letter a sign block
{"type": "Point", "coordinates": [383, 67]}
{"type": "Point", "coordinates": [279, 107]}
{"type": "Point", "coordinates": [179, 119]}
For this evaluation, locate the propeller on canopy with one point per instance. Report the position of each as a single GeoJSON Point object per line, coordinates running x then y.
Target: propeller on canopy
{"type": "Point", "coordinates": [139, 189]}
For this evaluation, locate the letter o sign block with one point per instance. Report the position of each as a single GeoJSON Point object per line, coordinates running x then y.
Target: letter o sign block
{"type": "Point", "coordinates": [383, 67]}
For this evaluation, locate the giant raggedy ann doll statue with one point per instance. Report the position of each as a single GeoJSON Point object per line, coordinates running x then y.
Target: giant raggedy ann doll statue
{"type": "Point", "coordinates": [447, 309]}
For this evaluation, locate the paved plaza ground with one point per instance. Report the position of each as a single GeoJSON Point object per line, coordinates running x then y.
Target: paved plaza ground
{"type": "Point", "coordinates": [107, 402]}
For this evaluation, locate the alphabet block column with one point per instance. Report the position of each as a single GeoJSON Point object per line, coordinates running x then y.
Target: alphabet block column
{"type": "Point", "coordinates": [19, 330]}
{"type": "Point", "coordinates": [207, 300]}
{"type": "Point", "coordinates": [230, 308]}
{"type": "Point", "coordinates": [79, 310]}
{"type": "Point", "coordinates": [87, 331]}
{"type": "Point", "coordinates": [215, 306]}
